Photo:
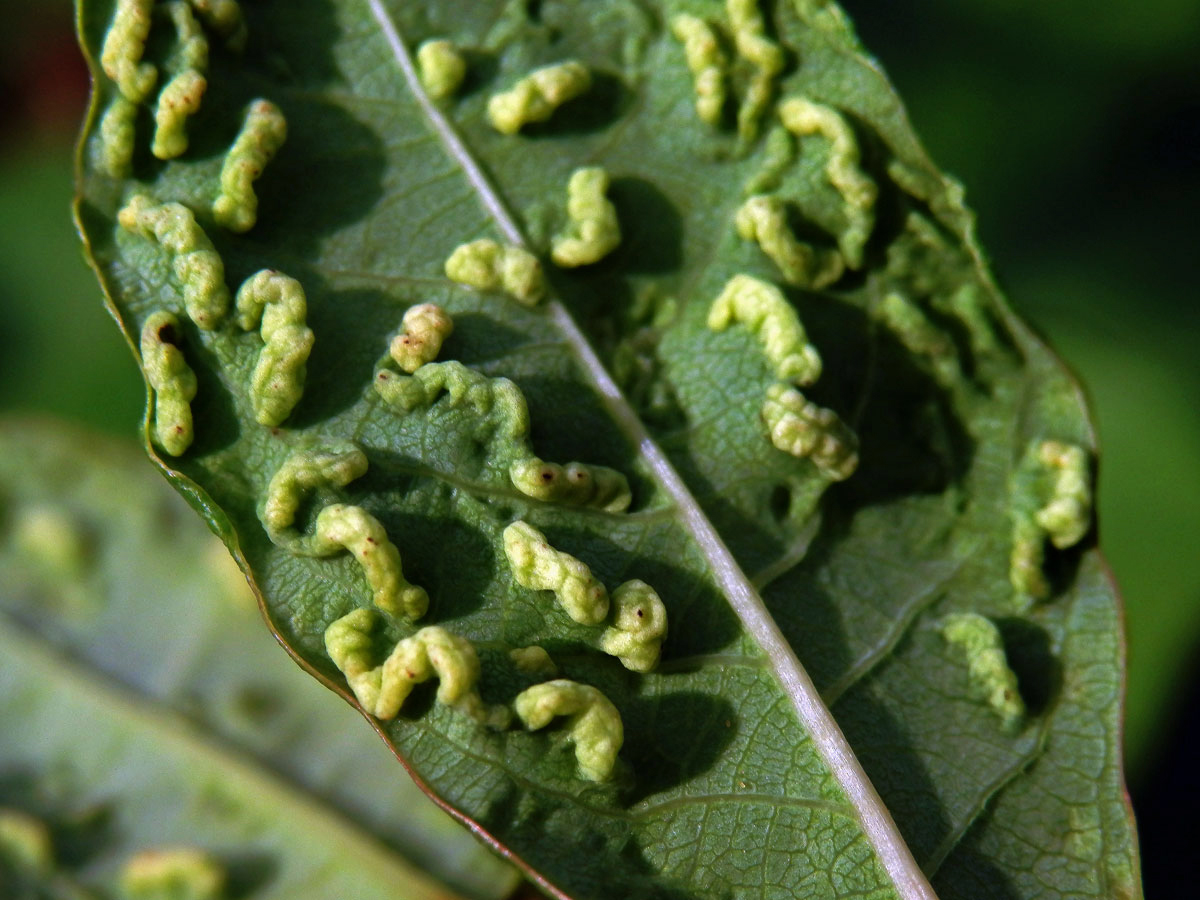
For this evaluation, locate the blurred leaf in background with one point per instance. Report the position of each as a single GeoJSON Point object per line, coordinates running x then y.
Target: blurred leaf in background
{"type": "Point", "coordinates": [1074, 125]}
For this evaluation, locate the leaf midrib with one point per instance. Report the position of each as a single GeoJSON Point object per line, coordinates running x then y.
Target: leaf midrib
{"type": "Point", "coordinates": [816, 719]}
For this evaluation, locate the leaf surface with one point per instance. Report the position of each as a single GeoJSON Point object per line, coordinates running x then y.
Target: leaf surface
{"type": "Point", "coordinates": [809, 731]}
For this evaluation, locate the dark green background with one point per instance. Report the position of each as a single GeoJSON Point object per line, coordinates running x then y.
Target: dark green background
{"type": "Point", "coordinates": [1075, 126]}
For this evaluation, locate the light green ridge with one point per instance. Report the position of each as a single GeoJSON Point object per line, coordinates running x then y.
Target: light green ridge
{"type": "Point", "coordinates": [278, 302]}
{"type": "Point", "coordinates": [502, 418]}
{"type": "Point", "coordinates": [264, 129]}
{"type": "Point", "coordinates": [442, 66]}
{"type": "Point", "coordinates": [594, 231]}
{"type": "Point", "coordinates": [803, 117]}
{"type": "Point", "coordinates": [536, 96]}
{"type": "Point", "coordinates": [798, 426]}
{"type": "Point", "coordinates": [593, 723]}
{"type": "Point", "coordinates": [488, 266]}
{"type": "Point", "coordinates": [432, 652]}
{"type": "Point", "coordinates": [424, 329]}
{"type": "Point", "coordinates": [194, 260]}
{"type": "Point", "coordinates": [225, 18]}
{"type": "Point", "coordinates": [342, 527]}
{"type": "Point", "coordinates": [763, 219]}
{"type": "Point", "coordinates": [988, 672]}
{"type": "Point", "coordinates": [707, 63]}
{"type": "Point", "coordinates": [181, 96]}
{"type": "Point", "coordinates": [533, 660]}
{"type": "Point", "coordinates": [753, 45]}
{"type": "Point", "coordinates": [176, 873]}
{"type": "Point", "coordinates": [779, 152]}
{"type": "Point", "coordinates": [330, 465]}
{"type": "Point", "coordinates": [639, 626]}
{"type": "Point", "coordinates": [124, 44]}
{"type": "Point", "coordinates": [921, 337]}
{"type": "Point", "coordinates": [1067, 517]}
{"type": "Point", "coordinates": [763, 309]}
{"type": "Point", "coordinates": [538, 566]}
{"type": "Point", "coordinates": [118, 131]}
{"type": "Point", "coordinates": [171, 379]}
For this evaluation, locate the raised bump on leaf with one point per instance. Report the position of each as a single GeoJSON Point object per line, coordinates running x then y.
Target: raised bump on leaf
{"type": "Point", "coordinates": [343, 527]}
{"type": "Point", "coordinates": [225, 18]}
{"type": "Point", "coordinates": [538, 566]}
{"type": "Point", "coordinates": [594, 231]}
{"type": "Point", "coordinates": [124, 44]}
{"type": "Point", "coordinates": [425, 327]}
{"type": "Point", "coordinates": [488, 266]}
{"type": "Point", "coordinates": [1051, 499]}
{"type": "Point", "coordinates": [920, 336]}
{"type": "Point", "coordinates": [639, 626]}
{"type": "Point", "coordinates": [442, 68]}
{"type": "Point", "coordinates": [707, 63]}
{"type": "Point", "coordinates": [503, 422]}
{"type": "Point", "coordinates": [332, 465]}
{"type": "Point", "coordinates": [803, 117]}
{"type": "Point", "coordinates": [593, 723]}
{"type": "Point", "coordinates": [118, 131]}
{"type": "Point", "coordinates": [173, 382]}
{"type": "Point", "coordinates": [533, 660]}
{"type": "Point", "coordinates": [779, 152]}
{"type": "Point", "coordinates": [753, 45]}
{"type": "Point", "coordinates": [762, 308]}
{"type": "Point", "coordinates": [194, 260]}
{"type": "Point", "coordinates": [278, 302]}
{"type": "Point", "coordinates": [536, 96]}
{"type": "Point", "coordinates": [432, 652]}
{"type": "Point", "coordinates": [181, 96]}
{"type": "Point", "coordinates": [178, 873]}
{"type": "Point", "coordinates": [25, 842]}
{"type": "Point", "coordinates": [264, 130]}
{"type": "Point", "coordinates": [988, 672]}
{"type": "Point", "coordinates": [763, 219]}
{"type": "Point", "coordinates": [798, 426]}
{"type": "Point", "coordinates": [52, 538]}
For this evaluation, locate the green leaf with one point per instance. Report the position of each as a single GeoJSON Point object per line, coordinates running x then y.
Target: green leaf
{"type": "Point", "coordinates": [111, 589]}
{"type": "Point", "coordinates": [809, 731]}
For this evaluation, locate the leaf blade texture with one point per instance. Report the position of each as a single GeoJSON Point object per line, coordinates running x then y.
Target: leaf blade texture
{"type": "Point", "coordinates": [799, 610]}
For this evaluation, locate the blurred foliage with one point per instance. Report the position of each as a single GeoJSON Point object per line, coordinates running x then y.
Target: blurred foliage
{"type": "Point", "coordinates": [1075, 126]}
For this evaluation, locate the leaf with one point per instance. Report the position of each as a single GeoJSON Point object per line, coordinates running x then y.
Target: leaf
{"type": "Point", "coordinates": [110, 587]}
{"type": "Point", "coordinates": [740, 770]}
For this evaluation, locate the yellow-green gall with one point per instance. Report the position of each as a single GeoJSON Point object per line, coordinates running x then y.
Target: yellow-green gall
{"type": "Point", "coordinates": [118, 129]}
{"type": "Point", "coordinates": [799, 427]}
{"type": "Point", "coordinates": [171, 379]}
{"type": "Point", "coordinates": [988, 674]}
{"type": "Point", "coordinates": [803, 117]}
{"type": "Point", "coordinates": [920, 336]}
{"type": "Point", "coordinates": [594, 231]}
{"type": "Point", "coordinates": [574, 484]}
{"type": "Point", "coordinates": [343, 527]}
{"type": "Point", "coordinates": [779, 152]}
{"type": "Point", "coordinates": [432, 652]}
{"type": "Point", "coordinates": [593, 723]}
{"type": "Point", "coordinates": [533, 660]}
{"type": "Point", "coordinates": [180, 873]}
{"type": "Point", "coordinates": [194, 260]}
{"type": "Point", "coordinates": [536, 96]}
{"type": "Point", "coordinates": [707, 63]}
{"type": "Point", "coordinates": [25, 843]}
{"type": "Point", "coordinates": [639, 626]}
{"type": "Point", "coordinates": [332, 465]}
{"type": "Point", "coordinates": [179, 99]}
{"type": "Point", "coordinates": [53, 539]}
{"type": "Point", "coordinates": [425, 327]}
{"type": "Point", "coordinates": [124, 44]}
{"type": "Point", "coordinates": [442, 68]}
{"type": "Point", "coordinates": [753, 45]}
{"type": "Point", "coordinates": [1068, 515]}
{"type": "Point", "coordinates": [538, 566]}
{"type": "Point", "coordinates": [224, 17]}
{"type": "Point", "coordinates": [763, 309]}
{"type": "Point", "coordinates": [278, 380]}
{"type": "Point", "coordinates": [763, 219]}
{"type": "Point", "coordinates": [488, 266]}
{"type": "Point", "coordinates": [264, 130]}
